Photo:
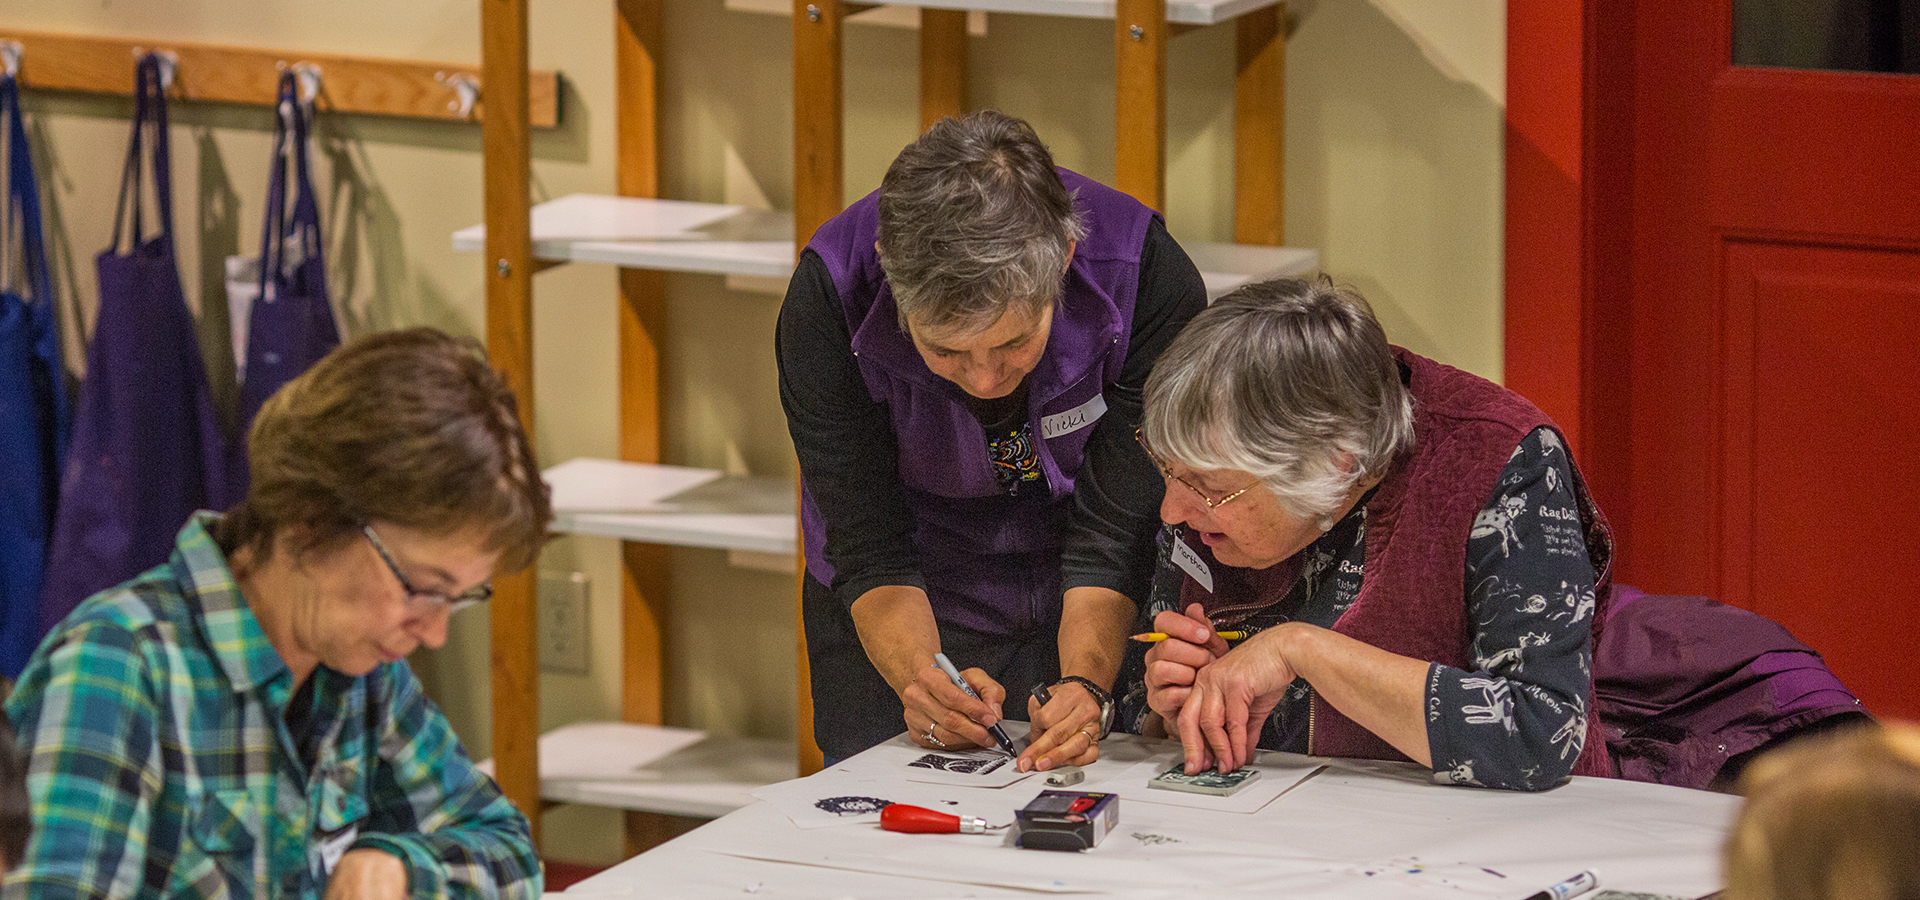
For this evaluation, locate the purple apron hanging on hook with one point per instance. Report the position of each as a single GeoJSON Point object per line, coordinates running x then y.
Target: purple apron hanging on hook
{"type": "Point", "coordinates": [33, 400]}
{"type": "Point", "coordinates": [291, 324]}
{"type": "Point", "coordinates": [147, 450]}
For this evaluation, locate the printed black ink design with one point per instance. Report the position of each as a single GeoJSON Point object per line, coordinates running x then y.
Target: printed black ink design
{"type": "Point", "coordinates": [1149, 840]}
{"type": "Point", "coordinates": [961, 764]}
{"type": "Point", "coordinates": [851, 806]}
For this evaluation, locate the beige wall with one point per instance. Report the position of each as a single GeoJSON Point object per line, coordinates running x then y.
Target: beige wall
{"type": "Point", "coordinates": [1394, 173]}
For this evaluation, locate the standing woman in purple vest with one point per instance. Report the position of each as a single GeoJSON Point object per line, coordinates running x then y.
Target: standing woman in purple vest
{"type": "Point", "coordinates": [962, 357]}
{"type": "Point", "coordinates": [1414, 553]}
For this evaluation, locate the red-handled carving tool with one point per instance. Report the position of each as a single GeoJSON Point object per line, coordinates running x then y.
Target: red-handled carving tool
{"type": "Point", "coordinates": [921, 820]}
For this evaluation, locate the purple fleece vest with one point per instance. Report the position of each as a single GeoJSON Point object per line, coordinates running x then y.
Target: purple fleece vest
{"type": "Point", "coordinates": [1413, 597]}
{"type": "Point", "coordinates": [991, 561]}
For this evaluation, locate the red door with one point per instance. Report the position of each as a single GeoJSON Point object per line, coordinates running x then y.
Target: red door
{"type": "Point", "coordinates": [1759, 418]}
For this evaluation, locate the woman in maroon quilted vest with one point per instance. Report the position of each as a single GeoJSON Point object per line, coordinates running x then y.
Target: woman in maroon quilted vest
{"type": "Point", "coordinates": [1408, 549]}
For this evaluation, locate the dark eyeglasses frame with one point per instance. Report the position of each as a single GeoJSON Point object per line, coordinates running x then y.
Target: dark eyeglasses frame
{"type": "Point", "coordinates": [479, 593]}
{"type": "Point", "coordinates": [1167, 472]}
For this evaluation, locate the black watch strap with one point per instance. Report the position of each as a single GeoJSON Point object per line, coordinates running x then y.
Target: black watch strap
{"type": "Point", "coordinates": [1100, 696]}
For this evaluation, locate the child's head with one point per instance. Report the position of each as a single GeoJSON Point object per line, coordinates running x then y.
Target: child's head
{"type": "Point", "coordinates": [1836, 817]}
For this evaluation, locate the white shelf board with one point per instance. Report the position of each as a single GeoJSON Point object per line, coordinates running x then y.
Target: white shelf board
{"type": "Point", "coordinates": [731, 240]}
{"type": "Point", "coordinates": [652, 768]}
{"type": "Point", "coordinates": [888, 15]}
{"type": "Point", "coordinates": [666, 235]}
{"type": "Point", "coordinates": [1227, 266]}
{"type": "Point", "coordinates": [676, 505]}
{"type": "Point", "coordinates": [1192, 12]}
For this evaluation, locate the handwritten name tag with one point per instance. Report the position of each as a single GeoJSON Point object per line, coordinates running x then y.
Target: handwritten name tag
{"type": "Point", "coordinates": [1074, 419]}
{"type": "Point", "coordinates": [1192, 564]}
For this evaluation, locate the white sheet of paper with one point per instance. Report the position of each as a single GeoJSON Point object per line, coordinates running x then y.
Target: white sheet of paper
{"type": "Point", "coordinates": [593, 485]}
{"type": "Point", "coordinates": [968, 768]}
{"type": "Point", "coordinates": [592, 750]}
{"type": "Point", "coordinates": [587, 217]}
{"type": "Point", "coordinates": [1279, 772]}
{"type": "Point", "coordinates": [1418, 840]}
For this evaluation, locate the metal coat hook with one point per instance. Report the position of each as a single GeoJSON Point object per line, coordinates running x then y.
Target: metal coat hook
{"type": "Point", "coordinates": [168, 62]}
{"type": "Point", "coordinates": [466, 89]}
{"type": "Point", "coordinates": [308, 76]}
{"type": "Point", "coordinates": [10, 53]}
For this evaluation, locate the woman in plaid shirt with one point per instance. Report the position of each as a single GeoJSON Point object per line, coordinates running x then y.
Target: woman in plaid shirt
{"type": "Point", "coordinates": [240, 721]}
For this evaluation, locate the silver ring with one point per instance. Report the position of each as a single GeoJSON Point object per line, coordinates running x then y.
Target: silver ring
{"type": "Point", "coordinates": [934, 740]}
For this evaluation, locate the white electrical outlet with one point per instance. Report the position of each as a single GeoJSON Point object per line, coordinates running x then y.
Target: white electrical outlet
{"type": "Point", "coordinates": [563, 605]}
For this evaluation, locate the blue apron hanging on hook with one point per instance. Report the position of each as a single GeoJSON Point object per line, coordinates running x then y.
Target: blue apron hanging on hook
{"type": "Point", "coordinates": [33, 399]}
{"type": "Point", "coordinates": [147, 450]}
{"type": "Point", "coordinates": [291, 324]}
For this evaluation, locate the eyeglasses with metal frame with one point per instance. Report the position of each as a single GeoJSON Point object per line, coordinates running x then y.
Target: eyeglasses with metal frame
{"type": "Point", "coordinates": [1167, 472]}
{"type": "Point", "coordinates": [427, 601]}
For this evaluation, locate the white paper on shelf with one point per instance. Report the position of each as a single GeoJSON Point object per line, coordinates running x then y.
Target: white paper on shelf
{"type": "Point", "coordinates": [608, 485]}
{"type": "Point", "coordinates": [598, 749]}
{"type": "Point", "coordinates": [591, 217]}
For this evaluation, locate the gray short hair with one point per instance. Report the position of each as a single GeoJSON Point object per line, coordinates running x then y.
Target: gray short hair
{"type": "Point", "coordinates": [973, 221]}
{"type": "Point", "coordinates": [1280, 379]}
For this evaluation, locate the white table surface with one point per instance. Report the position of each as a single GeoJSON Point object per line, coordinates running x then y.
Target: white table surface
{"type": "Point", "coordinates": [1354, 830]}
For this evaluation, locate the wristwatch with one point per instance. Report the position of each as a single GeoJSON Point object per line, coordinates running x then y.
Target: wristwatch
{"type": "Point", "coordinates": [1100, 696]}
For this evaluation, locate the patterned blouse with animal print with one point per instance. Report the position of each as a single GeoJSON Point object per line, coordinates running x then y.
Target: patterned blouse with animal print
{"type": "Point", "coordinates": [1530, 602]}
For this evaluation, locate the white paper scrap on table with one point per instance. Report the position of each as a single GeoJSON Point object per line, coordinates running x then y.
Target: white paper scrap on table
{"type": "Point", "coordinates": [1279, 772]}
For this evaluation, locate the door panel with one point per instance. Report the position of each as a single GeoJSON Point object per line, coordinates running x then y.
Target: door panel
{"type": "Point", "coordinates": [1818, 153]}
{"type": "Point", "coordinates": [1820, 374]}
{"type": "Point", "coordinates": [1774, 377]}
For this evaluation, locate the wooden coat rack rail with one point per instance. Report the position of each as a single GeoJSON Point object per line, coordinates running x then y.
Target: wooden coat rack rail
{"type": "Point", "coordinates": [355, 84]}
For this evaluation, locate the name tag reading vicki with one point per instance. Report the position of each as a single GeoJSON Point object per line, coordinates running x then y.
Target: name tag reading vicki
{"type": "Point", "coordinates": [1192, 564]}
{"type": "Point", "coordinates": [1074, 419]}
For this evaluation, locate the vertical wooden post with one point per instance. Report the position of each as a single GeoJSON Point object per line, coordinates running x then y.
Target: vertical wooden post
{"type": "Point", "coordinates": [509, 261]}
{"type": "Point", "coordinates": [818, 194]}
{"type": "Point", "coordinates": [1260, 126]}
{"type": "Point", "coordinates": [943, 64]}
{"type": "Point", "coordinates": [1140, 100]}
{"type": "Point", "coordinates": [818, 158]}
{"type": "Point", "coordinates": [644, 600]}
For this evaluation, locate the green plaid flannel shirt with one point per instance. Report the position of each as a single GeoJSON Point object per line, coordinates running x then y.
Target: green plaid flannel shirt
{"type": "Point", "coordinates": [161, 764]}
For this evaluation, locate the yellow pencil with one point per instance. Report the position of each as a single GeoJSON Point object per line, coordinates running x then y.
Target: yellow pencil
{"type": "Point", "coordinates": [1154, 637]}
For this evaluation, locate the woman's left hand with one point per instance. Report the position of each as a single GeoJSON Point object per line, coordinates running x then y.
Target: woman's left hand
{"type": "Point", "coordinates": [1066, 731]}
{"type": "Point", "coordinates": [1230, 700]}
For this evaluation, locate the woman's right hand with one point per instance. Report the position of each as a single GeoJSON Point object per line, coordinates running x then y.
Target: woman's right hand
{"type": "Point", "coordinates": [1173, 664]}
{"type": "Point", "coordinates": [941, 716]}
